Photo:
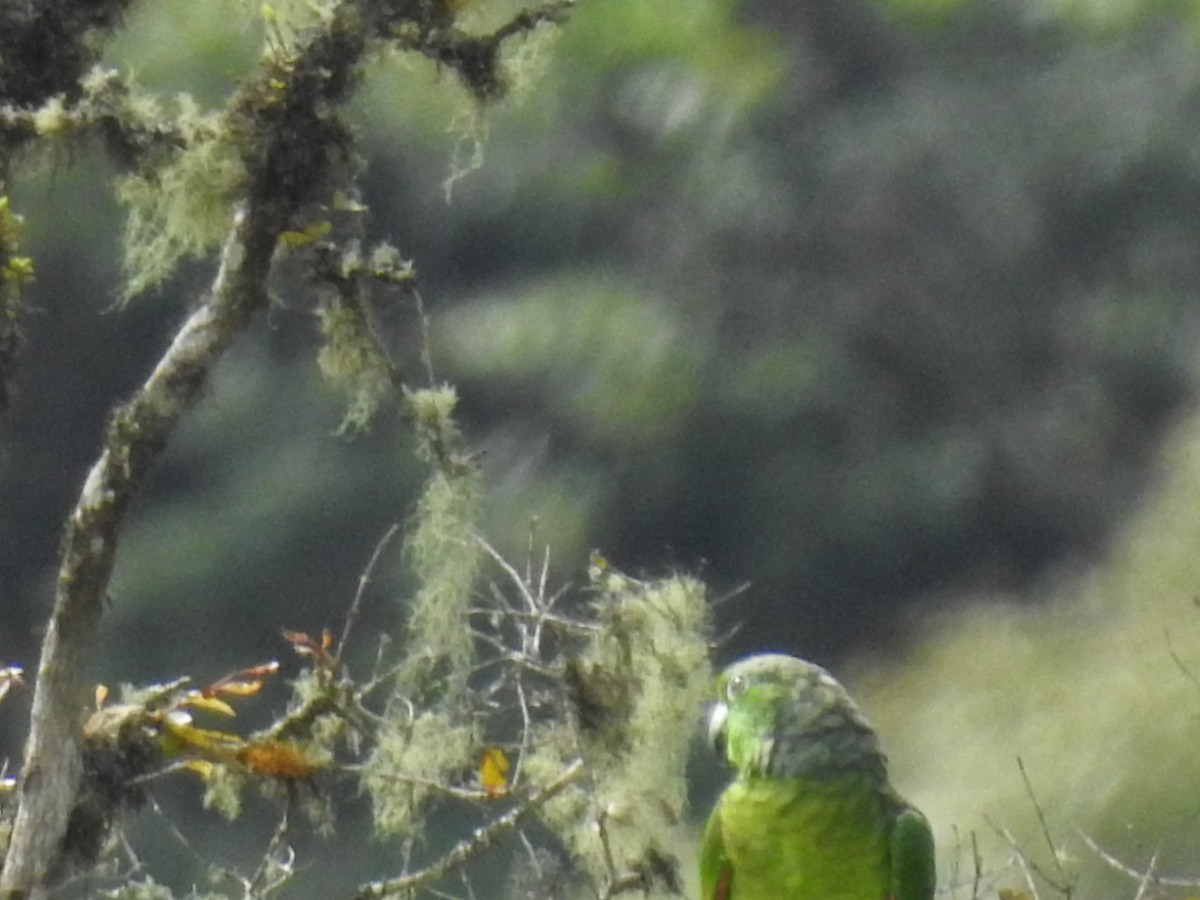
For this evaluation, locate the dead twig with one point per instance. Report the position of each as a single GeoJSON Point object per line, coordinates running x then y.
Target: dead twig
{"type": "Point", "coordinates": [483, 838]}
{"type": "Point", "coordinates": [363, 580]}
{"type": "Point", "coordinates": [1142, 877]}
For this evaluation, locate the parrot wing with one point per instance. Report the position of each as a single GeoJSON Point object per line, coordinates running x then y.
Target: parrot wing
{"type": "Point", "coordinates": [913, 873]}
{"type": "Point", "coordinates": [716, 871]}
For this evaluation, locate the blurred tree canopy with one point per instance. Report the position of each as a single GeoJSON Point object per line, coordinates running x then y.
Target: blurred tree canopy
{"type": "Point", "coordinates": [912, 321]}
{"type": "Point", "coordinates": [857, 302]}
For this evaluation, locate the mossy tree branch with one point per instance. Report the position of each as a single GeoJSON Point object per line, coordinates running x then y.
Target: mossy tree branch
{"type": "Point", "coordinates": [137, 435]}
{"type": "Point", "coordinates": [597, 698]}
{"type": "Point", "coordinates": [291, 140]}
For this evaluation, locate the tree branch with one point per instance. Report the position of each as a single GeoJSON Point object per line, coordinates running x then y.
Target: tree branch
{"type": "Point", "coordinates": [136, 437]}
{"type": "Point", "coordinates": [292, 139]}
{"type": "Point", "coordinates": [477, 843]}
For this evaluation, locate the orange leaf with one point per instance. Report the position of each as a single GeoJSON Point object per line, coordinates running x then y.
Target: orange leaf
{"type": "Point", "coordinates": [259, 671]}
{"type": "Point", "coordinates": [277, 758]}
{"type": "Point", "coordinates": [493, 772]}
{"type": "Point", "coordinates": [238, 682]}
{"type": "Point", "coordinates": [239, 688]}
{"type": "Point", "coordinates": [307, 646]}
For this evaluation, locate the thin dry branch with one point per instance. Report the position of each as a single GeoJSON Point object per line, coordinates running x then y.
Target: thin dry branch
{"type": "Point", "coordinates": [1148, 876]}
{"type": "Point", "coordinates": [1063, 881]}
{"type": "Point", "coordinates": [363, 580]}
{"type": "Point", "coordinates": [466, 850]}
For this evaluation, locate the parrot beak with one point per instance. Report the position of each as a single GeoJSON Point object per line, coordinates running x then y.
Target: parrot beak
{"type": "Point", "coordinates": [716, 727]}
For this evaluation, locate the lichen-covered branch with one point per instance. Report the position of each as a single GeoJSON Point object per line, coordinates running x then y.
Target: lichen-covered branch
{"type": "Point", "coordinates": [136, 436]}
{"type": "Point", "coordinates": [476, 58]}
{"type": "Point", "coordinates": [474, 687]}
{"type": "Point", "coordinates": [290, 141]}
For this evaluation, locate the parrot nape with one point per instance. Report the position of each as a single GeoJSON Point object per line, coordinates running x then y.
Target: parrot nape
{"type": "Point", "coordinates": [810, 814]}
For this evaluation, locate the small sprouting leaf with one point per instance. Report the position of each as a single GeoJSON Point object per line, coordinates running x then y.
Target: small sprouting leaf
{"type": "Point", "coordinates": [317, 650]}
{"type": "Point", "coordinates": [18, 269]}
{"type": "Point", "coordinates": [261, 671]}
{"type": "Point", "coordinates": [310, 233]}
{"type": "Point", "coordinates": [343, 202]}
{"type": "Point", "coordinates": [10, 677]}
{"type": "Point", "coordinates": [242, 682]}
{"type": "Point", "coordinates": [239, 688]}
{"type": "Point", "coordinates": [101, 695]}
{"type": "Point", "coordinates": [493, 772]}
{"type": "Point", "coordinates": [197, 700]}
{"type": "Point", "coordinates": [182, 738]}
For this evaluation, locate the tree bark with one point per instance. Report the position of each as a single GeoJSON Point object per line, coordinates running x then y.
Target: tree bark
{"type": "Point", "coordinates": [136, 437]}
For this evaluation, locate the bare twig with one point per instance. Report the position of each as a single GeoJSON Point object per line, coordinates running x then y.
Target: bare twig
{"type": "Point", "coordinates": [1024, 863]}
{"type": "Point", "coordinates": [426, 341]}
{"type": "Point", "coordinates": [1064, 881]}
{"type": "Point", "coordinates": [977, 863]}
{"type": "Point", "coordinates": [1027, 866]}
{"type": "Point", "coordinates": [521, 584]}
{"type": "Point", "coordinates": [477, 843]}
{"type": "Point", "coordinates": [1147, 879]}
{"type": "Point", "coordinates": [363, 580]}
{"type": "Point", "coordinates": [277, 866]}
{"type": "Point", "coordinates": [472, 795]}
{"type": "Point", "coordinates": [1180, 664]}
{"type": "Point", "coordinates": [1136, 874]}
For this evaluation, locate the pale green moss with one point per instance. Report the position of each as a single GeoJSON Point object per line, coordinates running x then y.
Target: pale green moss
{"type": "Point", "coordinates": [525, 61]}
{"type": "Point", "coordinates": [432, 412]}
{"type": "Point", "coordinates": [146, 888]}
{"type": "Point", "coordinates": [639, 686]}
{"type": "Point", "coordinates": [143, 889]}
{"type": "Point", "coordinates": [470, 129]}
{"type": "Point", "coordinates": [442, 551]}
{"type": "Point", "coordinates": [410, 758]}
{"type": "Point", "coordinates": [182, 207]}
{"type": "Point", "coordinates": [352, 361]}
{"type": "Point", "coordinates": [445, 559]}
{"type": "Point", "coordinates": [223, 791]}
{"type": "Point", "coordinates": [285, 20]}
{"type": "Point", "coordinates": [15, 272]}
{"type": "Point", "coordinates": [571, 815]}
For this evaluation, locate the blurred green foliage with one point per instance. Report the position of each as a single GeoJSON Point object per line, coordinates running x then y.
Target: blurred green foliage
{"type": "Point", "coordinates": [1094, 689]}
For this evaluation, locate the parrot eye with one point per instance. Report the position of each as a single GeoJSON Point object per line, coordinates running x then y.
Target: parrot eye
{"type": "Point", "coordinates": [735, 687]}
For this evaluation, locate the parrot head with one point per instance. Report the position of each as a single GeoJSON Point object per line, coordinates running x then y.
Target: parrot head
{"type": "Point", "coordinates": [777, 716]}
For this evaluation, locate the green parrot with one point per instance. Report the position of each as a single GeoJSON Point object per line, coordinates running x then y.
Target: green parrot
{"type": "Point", "coordinates": [810, 814]}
